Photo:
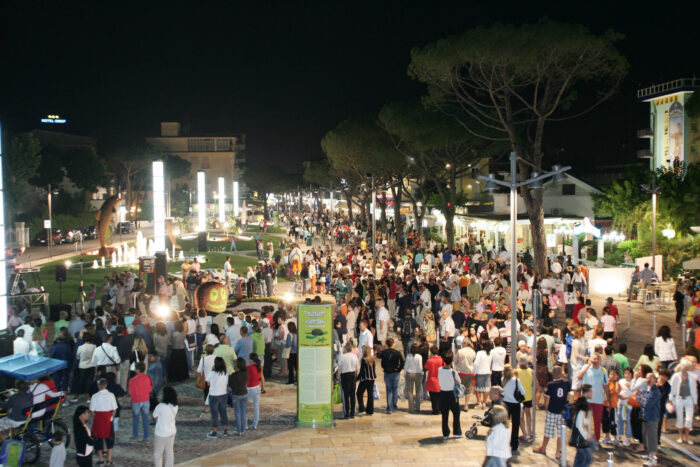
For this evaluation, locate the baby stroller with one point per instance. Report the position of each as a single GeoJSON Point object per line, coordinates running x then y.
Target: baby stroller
{"type": "Point", "coordinates": [483, 420]}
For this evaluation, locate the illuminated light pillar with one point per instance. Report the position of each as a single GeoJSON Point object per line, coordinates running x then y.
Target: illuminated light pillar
{"type": "Point", "coordinates": [235, 199]}
{"type": "Point", "coordinates": [158, 206]}
{"type": "Point", "coordinates": [222, 201]}
{"type": "Point", "coordinates": [201, 203]}
{"type": "Point", "coordinates": [3, 271]}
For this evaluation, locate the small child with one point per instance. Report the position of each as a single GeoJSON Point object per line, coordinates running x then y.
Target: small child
{"type": "Point", "coordinates": [58, 452]}
{"type": "Point", "coordinates": [609, 419]}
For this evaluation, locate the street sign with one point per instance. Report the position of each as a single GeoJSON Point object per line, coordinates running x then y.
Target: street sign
{"type": "Point", "coordinates": [47, 224]}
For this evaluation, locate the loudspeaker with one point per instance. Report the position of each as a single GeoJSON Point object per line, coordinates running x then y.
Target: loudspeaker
{"type": "Point", "coordinates": [54, 311]}
{"type": "Point", "coordinates": [161, 266]}
{"type": "Point", "coordinates": [202, 241]}
{"type": "Point", "coordinates": [61, 273]}
{"type": "Point", "coordinates": [6, 348]}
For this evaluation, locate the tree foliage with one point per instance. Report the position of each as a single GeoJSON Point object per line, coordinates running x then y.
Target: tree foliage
{"type": "Point", "coordinates": [21, 160]}
{"type": "Point", "coordinates": [504, 83]}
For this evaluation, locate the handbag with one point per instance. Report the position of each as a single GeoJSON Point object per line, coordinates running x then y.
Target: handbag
{"type": "Point", "coordinates": [576, 440]}
{"type": "Point", "coordinates": [375, 392]}
{"type": "Point", "coordinates": [459, 389]}
{"type": "Point", "coordinates": [337, 394]}
{"type": "Point", "coordinates": [200, 382]}
{"type": "Point", "coordinates": [519, 396]}
{"type": "Point", "coordinates": [632, 400]}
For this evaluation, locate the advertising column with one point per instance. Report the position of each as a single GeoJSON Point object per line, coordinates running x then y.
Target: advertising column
{"type": "Point", "coordinates": [314, 394]}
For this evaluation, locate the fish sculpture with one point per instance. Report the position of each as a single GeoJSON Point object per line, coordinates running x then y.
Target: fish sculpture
{"type": "Point", "coordinates": [104, 221]}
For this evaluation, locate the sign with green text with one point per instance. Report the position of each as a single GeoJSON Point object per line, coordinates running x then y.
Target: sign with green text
{"type": "Point", "coordinates": [315, 354]}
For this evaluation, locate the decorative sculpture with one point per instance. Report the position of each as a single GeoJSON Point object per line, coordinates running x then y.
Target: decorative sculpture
{"type": "Point", "coordinates": [104, 222]}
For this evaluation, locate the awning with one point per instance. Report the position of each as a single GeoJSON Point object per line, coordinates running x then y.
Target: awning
{"type": "Point", "coordinates": [29, 367]}
{"type": "Point", "coordinates": [692, 264]}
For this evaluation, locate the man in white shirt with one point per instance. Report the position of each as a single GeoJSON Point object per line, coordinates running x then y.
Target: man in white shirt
{"type": "Point", "coordinates": [103, 406]}
{"type": "Point", "coordinates": [20, 345]}
{"type": "Point", "coordinates": [28, 332]}
{"type": "Point", "coordinates": [556, 266]}
{"type": "Point", "coordinates": [227, 274]}
{"type": "Point", "coordinates": [365, 337]}
{"type": "Point", "coordinates": [106, 355]}
{"type": "Point", "coordinates": [382, 323]}
{"type": "Point", "coordinates": [348, 365]}
{"type": "Point", "coordinates": [547, 284]}
{"type": "Point", "coordinates": [447, 326]}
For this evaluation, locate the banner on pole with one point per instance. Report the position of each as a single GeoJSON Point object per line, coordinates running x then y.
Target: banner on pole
{"type": "Point", "coordinates": [315, 354]}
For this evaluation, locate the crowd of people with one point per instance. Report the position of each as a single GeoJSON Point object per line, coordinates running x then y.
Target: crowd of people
{"type": "Point", "coordinates": [450, 309]}
{"type": "Point", "coordinates": [437, 320]}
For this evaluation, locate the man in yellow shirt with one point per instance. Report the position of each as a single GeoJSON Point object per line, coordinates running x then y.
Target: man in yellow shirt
{"type": "Point", "coordinates": [525, 377]}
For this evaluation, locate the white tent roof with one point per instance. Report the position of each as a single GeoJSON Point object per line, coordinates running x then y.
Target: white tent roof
{"type": "Point", "coordinates": [692, 264]}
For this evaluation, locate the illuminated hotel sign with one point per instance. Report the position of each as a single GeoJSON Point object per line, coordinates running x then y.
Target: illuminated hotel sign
{"type": "Point", "coordinates": [53, 119]}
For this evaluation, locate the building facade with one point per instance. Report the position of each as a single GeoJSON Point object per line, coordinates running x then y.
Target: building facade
{"type": "Point", "coordinates": [215, 155]}
{"type": "Point", "coordinates": [674, 135]}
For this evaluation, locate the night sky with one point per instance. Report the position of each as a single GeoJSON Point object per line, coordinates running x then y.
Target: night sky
{"type": "Point", "coordinates": [285, 73]}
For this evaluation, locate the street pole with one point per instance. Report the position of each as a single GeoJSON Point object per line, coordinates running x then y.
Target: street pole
{"type": "Point", "coordinates": [49, 232]}
{"type": "Point", "coordinates": [374, 227]}
{"type": "Point", "coordinates": [653, 222]}
{"type": "Point", "coordinates": [513, 256]}
{"type": "Point", "coordinates": [536, 301]}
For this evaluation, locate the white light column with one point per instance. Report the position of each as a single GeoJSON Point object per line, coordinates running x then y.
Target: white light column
{"type": "Point", "coordinates": [158, 206]}
{"type": "Point", "coordinates": [222, 201]}
{"type": "Point", "coordinates": [235, 199]}
{"type": "Point", "coordinates": [3, 271]}
{"type": "Point", "coordinates": [201, 203]}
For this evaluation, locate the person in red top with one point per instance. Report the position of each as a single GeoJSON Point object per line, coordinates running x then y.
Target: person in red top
{"type": "Point", "coordinates": [579, 306]}
{"type": "Point", "coordinates": [614, 312]}
{"type": "Point", "coordinates": [432, 385]}
{"type": "Point", "coordinates": [140, 388]}
{"type": "Point", "coordinates": [255, 386]}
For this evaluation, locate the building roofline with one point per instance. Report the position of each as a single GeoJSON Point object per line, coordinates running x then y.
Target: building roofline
{"type": "Point", "coordinates": [669, 87]}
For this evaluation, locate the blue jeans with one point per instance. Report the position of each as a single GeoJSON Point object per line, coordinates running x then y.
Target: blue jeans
{"type": "Point", "coordinates": [217, 407]}
{"type": "Point", "coordinates": [239, 407]}
{"type": "Point", "coordinates": [190, 358]}
{"type": "Point", "coordinates": [140, 410]}
{"type": "Point", "coordinates": [584, 456]}
{"type": "Point", "coordinates": [254, 395]}
{"type": "Point", "coordinates": [624, 425]}
{"type": "Point", "coordinates": [392, 390]}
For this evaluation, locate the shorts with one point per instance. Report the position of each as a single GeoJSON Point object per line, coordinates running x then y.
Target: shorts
{"type": "Point", "coordinates": [381, 336]}
{"type": "Point", "coordinates": [104, 443]}
{"type": "Point", "coordinates": [527, 404]}
{"type": "Point", "coordinates": [6, 423]}
{"type": "Point", "coordinates": [483, 383]}
{"type": "Point", "coordinates": [553, 425]}
{"type": "Point", "coordinates": [468, 382]}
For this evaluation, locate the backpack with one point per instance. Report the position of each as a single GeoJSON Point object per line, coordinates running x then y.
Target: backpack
{"type": "Point", "coordinates": [569, 341]}
{"type": "Point", "coordinates": [12, 453]}
{"type": "Point", "coordinates": [406, 329]}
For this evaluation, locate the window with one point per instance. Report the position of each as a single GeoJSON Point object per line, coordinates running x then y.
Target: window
{"type": "Point", "coordinates": [568, 189]}
{"type": "Point", "coordinates": [224, 145]}
{"type": "Point", "coordinates": [205, 162]}
{"type": "Point", "coordinates": [200, 144]}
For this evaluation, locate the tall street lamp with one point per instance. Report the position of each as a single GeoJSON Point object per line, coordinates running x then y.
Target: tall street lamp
{"type": "Point", "coordinates": [653, 190]}
{"type": "Point", "coordinates": [535, 182]}
{"type": "Point", "coordinates": [49, 233]}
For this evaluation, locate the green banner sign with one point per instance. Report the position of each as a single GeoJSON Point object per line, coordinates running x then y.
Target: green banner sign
{"type": "Point", "coordinates": [314, 393]}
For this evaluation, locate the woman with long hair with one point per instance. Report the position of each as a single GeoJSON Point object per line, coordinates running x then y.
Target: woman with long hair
{"type": "Point", "coordinates": [577, 358]}
{"type": "Point", "coordinates": [217, 379]}
{"type": "Point", "coordinates": [511, 385]}
{"type": "Point", "coordinates": [482, 370]}
{"type": "Point", "coordinates": [665, 347]}
{"type": "Point", "coordinates": [84, 443]}
{"type": "Point", "coordinates": [582, 423]}
{"type": "Point", "coordinates": [164, 434]}
{"type": "Point", "coordinates": [177, 364]}
{"type": "Point", "coordinates": [161, 340]}
{"type": "Point", "coordinates": [238, 382]}
{"type": "Point", "coordinates": [139, 352]}
{"type": "Point", "coordinates": [543, 375]}
{"type": "Point", "coordinates": [291, 345]}
{"type": "Point", "coordinates": [684, 396]}
{"type": "Point", "coordinates": [206, 363]}
{"type": "Point", "coordinates": [255, 386]}
{"type": "Point", "coordinates": [497, 449]}
{"type": "Point", "coordinates": [448, 378]}
{"type": "Point", "coordinates": [367, 378]}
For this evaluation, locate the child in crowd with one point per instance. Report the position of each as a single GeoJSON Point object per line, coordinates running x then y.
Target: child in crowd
{"type": "Point", "coordinates": [58, 451]}
{"type": "Point", "coordinates": [609, 412]}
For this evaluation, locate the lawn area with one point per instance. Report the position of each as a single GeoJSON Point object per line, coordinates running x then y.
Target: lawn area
{"type": "Point", "coordinates": [191, 244]}
{"type": "Point", "coordinates": [47, 274]}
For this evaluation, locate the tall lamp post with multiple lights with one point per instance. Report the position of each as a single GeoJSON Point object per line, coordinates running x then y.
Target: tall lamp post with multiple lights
{"type": "Point", "coordinates": [534, 182]}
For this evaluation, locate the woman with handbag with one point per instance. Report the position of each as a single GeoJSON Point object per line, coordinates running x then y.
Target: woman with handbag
{"type": "Point", "coordinates": [684, 396]}
{"type": "Point", "coordinates": [366, 378]}
{"type": "Point", "coordinates": [448, 379]}
{"type": "Point", "coordinates": [582, 433]}
{"type": "Point", "coordinates": [206, 363]}
{"type": "Point", "coordinates": [513, 395]}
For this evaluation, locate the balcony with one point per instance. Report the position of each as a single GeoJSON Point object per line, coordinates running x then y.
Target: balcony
{"type": "Point", "coordinates": [645, 133]}
{"type": "Point", "coordinates": [683, 84]}
{"type": "Point", "coordinates": [645, 154]}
